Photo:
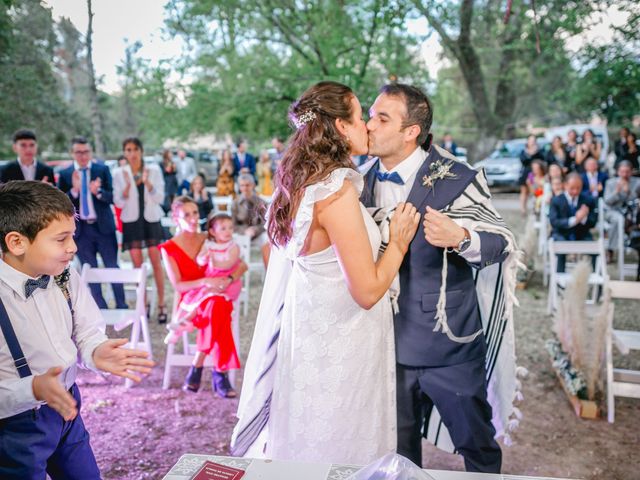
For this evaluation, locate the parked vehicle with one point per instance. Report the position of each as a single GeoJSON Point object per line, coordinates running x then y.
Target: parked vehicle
{"type": "Point", "coordinates": [208, 164]}
{"type": "Point", "coordinates": [502, 167]}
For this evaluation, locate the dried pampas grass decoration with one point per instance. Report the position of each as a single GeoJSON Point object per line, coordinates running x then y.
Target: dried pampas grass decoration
{"type": "Point", "coordinates": [528, 244]}
{"type": "Point", "coordinates": [581, 330]}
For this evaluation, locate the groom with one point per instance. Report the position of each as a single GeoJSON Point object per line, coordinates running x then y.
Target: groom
{"type": "Point", "coordinates": [446, 368]}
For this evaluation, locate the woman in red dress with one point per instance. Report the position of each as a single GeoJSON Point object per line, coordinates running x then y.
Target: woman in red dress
{"type": "Point", "coordinates": [214, 336]}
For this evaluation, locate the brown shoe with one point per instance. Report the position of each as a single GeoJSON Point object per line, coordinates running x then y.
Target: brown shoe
{"type": "Point", "coordinates": [609, 257]}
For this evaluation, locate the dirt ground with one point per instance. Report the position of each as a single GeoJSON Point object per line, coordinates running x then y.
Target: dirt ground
{"type": "Point", "coordinates": [141, 432]}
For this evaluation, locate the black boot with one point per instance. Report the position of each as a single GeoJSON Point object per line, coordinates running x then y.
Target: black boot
{"type": "Point", "coordinates": [221, 385]}
{"type": "Point", "coordinates": [192, 381]}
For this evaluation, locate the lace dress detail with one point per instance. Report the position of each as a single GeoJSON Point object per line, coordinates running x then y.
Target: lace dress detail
{"type": "Point", "coordinates": [334, 390]}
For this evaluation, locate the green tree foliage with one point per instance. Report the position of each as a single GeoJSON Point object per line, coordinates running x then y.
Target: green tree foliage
{"type": "Point", "coordinates": [29, 89]}
{"type": "Point", "coordinates": [252, 58]}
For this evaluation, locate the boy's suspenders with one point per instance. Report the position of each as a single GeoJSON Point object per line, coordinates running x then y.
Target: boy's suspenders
{"type": "Point", "coordinates": [9, 333]}
{"type": "Point", "coordinates": [12, 342]}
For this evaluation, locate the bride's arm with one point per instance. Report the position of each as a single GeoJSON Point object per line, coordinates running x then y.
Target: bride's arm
{"type": "Point", "coordinates": [341, 217]}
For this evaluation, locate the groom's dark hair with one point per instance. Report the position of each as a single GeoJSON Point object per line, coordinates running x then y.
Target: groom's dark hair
{"type": "Point", "coordinates": [419, 109]}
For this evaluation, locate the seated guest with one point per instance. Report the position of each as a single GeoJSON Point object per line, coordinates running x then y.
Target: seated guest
{"type": "Point", "coordinates": [572, 214]}
{"type": "Point", "coordinates": [90, 188]}
{"type": "Point", "coordinates": [558, 155]}
{"type": "Point", "coordinates": [185, 171]}
{"type": "Point", "coordinates": [530, 153]}
{"type": "Point", "coordinates": [553, 185]}
{"type": "Point", "coordinates": [248, 212]}
{"type": "Point", "coordinates": [211, 313]}
{"type": "Point", "coordinates": [618, 192]}
{"type": "Point", "coordinates": [201, 196]}
{"type": "Point", "coordinates": [26, 167]}
{"type": "Point", "coordinates": [593, 180]}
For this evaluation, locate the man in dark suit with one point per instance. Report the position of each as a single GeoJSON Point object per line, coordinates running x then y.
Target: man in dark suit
{"type": "Point", "coordinates": [572, 214]}
{"type": "Point", "coordinates": [432, 369]}
{"type": "Point", "coordinates": [593, 180]}
{"type": "Point", "coordinates": [243, 161]}
{"type": "Point", "coordinates": [89, 186]}
{"type": "Point", "coordinates": [449, 145]}
{"type": "Point", "coordinates": [26, 167]}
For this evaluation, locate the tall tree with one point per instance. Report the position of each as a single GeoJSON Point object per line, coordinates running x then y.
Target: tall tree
{"type": "Point", "coordinates": [498, 58]}
{"type": "Point", "coordinates": [96, 117]}
{"type": "Point", "coordinates": [254, 57]}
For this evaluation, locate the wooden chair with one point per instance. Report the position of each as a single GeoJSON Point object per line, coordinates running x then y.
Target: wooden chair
{"type": "Point", "coordinates": [621, 382]}
{"type": "Point", "coordinates": [120, 319]}
{"type": "Point", "coordinates": [221, 201]}
{"type": "Point", "coordinates": [558, 280]}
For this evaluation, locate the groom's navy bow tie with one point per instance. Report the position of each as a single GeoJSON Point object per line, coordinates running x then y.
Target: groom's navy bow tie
{"type": "Point", "coordinates": [389, 177]}
{"type": "Point", "coordinates": [31, 286]}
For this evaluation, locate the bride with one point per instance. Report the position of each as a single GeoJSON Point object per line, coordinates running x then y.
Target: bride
{"type": "Point", "coordinates": [328, 394]}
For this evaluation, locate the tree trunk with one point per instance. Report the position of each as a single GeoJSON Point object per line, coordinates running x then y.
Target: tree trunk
{"type": "Point", "coordinates": [96, 118]}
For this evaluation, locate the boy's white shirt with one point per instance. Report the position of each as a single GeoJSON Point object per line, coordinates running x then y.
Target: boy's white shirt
{"type": "Point", "coordinates": [47, 334]}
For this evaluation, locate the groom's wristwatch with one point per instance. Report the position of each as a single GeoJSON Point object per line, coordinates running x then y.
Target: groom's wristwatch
{"type": "Point", "coordinates": [464, 243]}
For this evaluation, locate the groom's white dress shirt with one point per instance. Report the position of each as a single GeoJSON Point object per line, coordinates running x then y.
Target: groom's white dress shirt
{"type": "Point", "coordinates": [389, 194]}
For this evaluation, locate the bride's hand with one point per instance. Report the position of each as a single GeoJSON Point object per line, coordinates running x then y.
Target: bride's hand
{"type": "Point", "coordinates": [404, 224]}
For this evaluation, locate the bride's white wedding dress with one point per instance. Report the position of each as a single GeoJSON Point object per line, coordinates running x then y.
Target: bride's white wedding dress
{"type": "Point", "coordinates": [334, 391]}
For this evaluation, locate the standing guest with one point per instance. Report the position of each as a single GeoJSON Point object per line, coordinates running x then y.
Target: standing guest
{"type": "Point", "coordinates": [186, 171]}
{"type": "Point", "coordinates": [212, 315]}
{"type": "Point", "coordinates": [278, 144]}
{"type": "Point", "coordinates": [620, 146]}
{"type": "Point", "coordinates": [572, 147]}
{"type": "Point", "coordinates": [535, 183]}
{"type": "Point", "coordinates": [199, 193]}
{"type": "Point", "coordinates": [449, 145]}
{"type": "Point", "coordinates": [225, 184]}
{"type": "Point", "coordinates": [139, 190]}
{"type": "Point", "coordinates": [243, 162]}
{"type": "Point", "coordinates": [26, 167]}
{"type": "Point", "coordinates": [618, 192]}
{"type": "Point", "coordinates": [530, 153]}
{"type": "Point", "coordinates": [48, 325]}
{"type": "Point", "coordinates": [170, 175]}
{"type": "Point", "coordinates": [631, 154]}
{"type": "Point", "coordinates": [90, 188]}
{"type": "Point", "coordinates": [248, 212]}
{"type": "Point", "coordinates": [589, 147]}
{"type": "Point", "coordinates": [593, 180]}
{"type": "Point", "coordinates": [264, 169]}
{"type": "Point", "coordinates": [572, 215]}
{"type": "Point", "coordinates": [558, 154]}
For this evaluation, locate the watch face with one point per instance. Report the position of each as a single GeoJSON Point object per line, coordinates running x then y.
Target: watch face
{"type": "Point", "coordinates": [464, 244]}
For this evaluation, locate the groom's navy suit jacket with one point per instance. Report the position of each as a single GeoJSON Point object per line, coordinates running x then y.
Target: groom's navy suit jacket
{"type": "Point", "coordinates": [421, 276]}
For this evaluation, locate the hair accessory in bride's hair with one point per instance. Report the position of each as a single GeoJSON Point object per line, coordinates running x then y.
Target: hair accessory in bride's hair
{"type": "Point", "coordinates": [303, 119]}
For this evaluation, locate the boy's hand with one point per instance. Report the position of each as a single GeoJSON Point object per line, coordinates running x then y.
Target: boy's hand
{"type": "Point", "coordinates": [110, 357]}
{"type": "Point", "coordinates": [47, 387]}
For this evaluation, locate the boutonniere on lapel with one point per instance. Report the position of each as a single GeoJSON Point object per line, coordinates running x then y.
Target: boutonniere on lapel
{"type": "Point", "coordinates": [439, 170]}
{"type": "Point", "coordinates": [62, 281]}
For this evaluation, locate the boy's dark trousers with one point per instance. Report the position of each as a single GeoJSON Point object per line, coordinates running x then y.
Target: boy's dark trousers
{"type": "Point", "coordinates": [40, 442]}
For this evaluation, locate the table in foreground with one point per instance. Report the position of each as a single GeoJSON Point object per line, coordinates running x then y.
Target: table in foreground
{"type": "Point", "coordinates": [189, 464]}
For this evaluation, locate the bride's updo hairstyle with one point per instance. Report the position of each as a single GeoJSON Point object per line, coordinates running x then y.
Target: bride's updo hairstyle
{"type": "Point", "coordinates": [315, 150]}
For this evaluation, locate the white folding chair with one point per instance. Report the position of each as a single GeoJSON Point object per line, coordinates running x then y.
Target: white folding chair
{"type": "Point", "coordinates": [558, 280]}
{"type": "Point", "coordinates": [119, 319]}
{"type": "Point", "coordinates": [604, 226]}
{"type": "Point", "coordinates": [244, 242]}
{"type": "Point", "coordinates": [184, 358]}
{"type": "Point", "coordinates": [621, 382]}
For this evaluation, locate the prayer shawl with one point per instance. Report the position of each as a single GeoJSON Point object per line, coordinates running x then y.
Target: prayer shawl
{"type": "Point", "coordinates": [495, 289]}
{"type": "Point", "coordinates": [495, 286]}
